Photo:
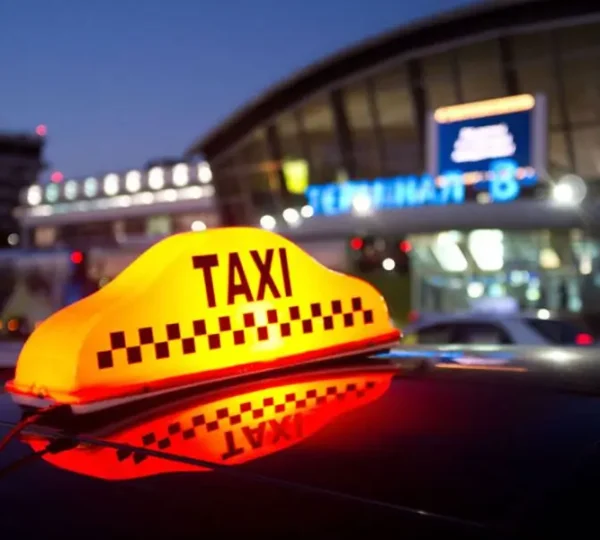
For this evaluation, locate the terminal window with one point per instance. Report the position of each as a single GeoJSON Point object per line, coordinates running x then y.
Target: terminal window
{"type": "Point", "coordinates": [556, 270]}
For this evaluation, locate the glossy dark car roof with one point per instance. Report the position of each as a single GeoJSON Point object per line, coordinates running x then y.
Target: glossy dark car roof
{"type": "Point", "coordinates": [480, 450]}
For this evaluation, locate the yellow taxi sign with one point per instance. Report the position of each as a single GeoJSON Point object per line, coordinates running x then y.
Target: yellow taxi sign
{"type": "Point", "coordinates": [195, 307]}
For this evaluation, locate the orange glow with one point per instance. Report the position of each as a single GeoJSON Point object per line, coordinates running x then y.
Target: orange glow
{"type": "Point", "coordinates": [230, 429]}
{"type": "Point", "coordinates": [482, 109]}
{"type": "Point", "coordinates": [13, 325]}
{"type": "Point", "coordinates": [199, 306]}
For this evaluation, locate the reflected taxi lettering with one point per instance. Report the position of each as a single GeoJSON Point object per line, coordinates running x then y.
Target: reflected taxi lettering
{"type": "Point", "coordinates": [237, 426]}
{"type": "Point", "coordinates": [237, 281]}
{"type": "Point", "coordinates": [265, 433]}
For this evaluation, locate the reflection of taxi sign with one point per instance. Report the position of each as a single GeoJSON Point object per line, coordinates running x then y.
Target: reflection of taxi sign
{"type": "Point", "coordinates": [224, 428]}
{"type": "Point", "coordinates": [195, 307]}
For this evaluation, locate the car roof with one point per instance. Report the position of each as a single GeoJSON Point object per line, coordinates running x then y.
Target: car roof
{"type": "Point", "coordinates": [427, 446]}
{"type": "Point", "coordinates": [429, 319]}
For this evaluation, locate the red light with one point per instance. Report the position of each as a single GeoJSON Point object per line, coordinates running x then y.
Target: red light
{"type": "Point", "coordinates": [56, 177]}
{"type": "Point", "coordinates": [405, 246]}
{"type": "Point", "coordinates": [413, 316]}
{"type": "Point", "coordinates": [584, 339]}
{"type": "Point", "coordinates": [41, 130]}
{"type": "Point", "coordinates": [283, 431]}
{"type": "Point", "coordinates": [356, 243]}
{"type": "Point", "coordinates": [76, 257]}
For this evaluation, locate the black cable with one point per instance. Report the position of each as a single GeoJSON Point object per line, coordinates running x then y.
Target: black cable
{"type": "Point", "coordinates": [34, 417]}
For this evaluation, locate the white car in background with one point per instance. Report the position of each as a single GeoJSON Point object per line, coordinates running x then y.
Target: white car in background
{"type": "Point", "coordinates": [480, 328]}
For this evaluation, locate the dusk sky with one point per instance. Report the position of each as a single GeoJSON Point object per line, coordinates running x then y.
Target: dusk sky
{"type": "Point", "coordinates": [119, 82]}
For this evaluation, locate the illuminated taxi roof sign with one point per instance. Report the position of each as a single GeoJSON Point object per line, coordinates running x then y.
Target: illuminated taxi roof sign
{"type": "Point", "coordinates": [195, 307]}
{"type": "Point", "coordinates": [223, 429]}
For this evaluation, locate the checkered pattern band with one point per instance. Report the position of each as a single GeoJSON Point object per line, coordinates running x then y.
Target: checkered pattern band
{"type": "Point", "coordinates": [224, 418]}
{"type": "Point", "coordinates": [161, 343]}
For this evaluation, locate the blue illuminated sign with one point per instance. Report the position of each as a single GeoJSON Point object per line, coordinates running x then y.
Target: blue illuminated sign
{"type": "Point", "coordinates": [411, 191]}
{"type": "Point", "coordinates": [497, 146]}
{"type": "Point", "coordinates": [473, 145]}
{"type": "Point", "coordinates": [472, 137]}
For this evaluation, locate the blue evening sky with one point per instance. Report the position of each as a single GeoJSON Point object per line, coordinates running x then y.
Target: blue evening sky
{"type": "Point", "coordinates": [119, 82]}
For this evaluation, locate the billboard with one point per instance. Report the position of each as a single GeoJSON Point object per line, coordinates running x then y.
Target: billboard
{"type": "Point", "coordinates": [497, 146]}
{"type": "Point", "coordinates": [481, 140]}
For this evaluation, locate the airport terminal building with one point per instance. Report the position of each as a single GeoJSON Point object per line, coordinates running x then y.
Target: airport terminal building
{"type": "Point", "coordinates": [471, 140]}
{"type": "Point", "coordinates": [465, 148]}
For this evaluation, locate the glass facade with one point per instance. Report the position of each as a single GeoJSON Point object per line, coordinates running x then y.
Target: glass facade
{"type": "Point", "coordinates": [373, 125]}
{"type": "Point", "coordinates": [541, 269]}
{"type": "Point", "coordinates": [365, 125]}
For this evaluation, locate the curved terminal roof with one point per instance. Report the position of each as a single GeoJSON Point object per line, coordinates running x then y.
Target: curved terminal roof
{"type": "Point", "coordinates": [476, 19]}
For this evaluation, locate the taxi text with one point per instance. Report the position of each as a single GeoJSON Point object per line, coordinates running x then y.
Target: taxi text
{"type": "Point", "coordinates": [237, 281]}
{"type": "Point", "coordinates": [266, 433]}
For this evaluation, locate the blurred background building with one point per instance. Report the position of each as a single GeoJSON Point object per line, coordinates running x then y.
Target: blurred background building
{"type": "Point", "coordinates": [363, 114]}
{"type": "Point", "coordinates": [290, 161]}
{"type": "Point", "coordinates": [119, 209]}
{"type": "Point", "coordinates": [21, 160]}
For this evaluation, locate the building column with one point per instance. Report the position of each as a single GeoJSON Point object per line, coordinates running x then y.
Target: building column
{"type": "Point", "coordinates": [343, 133]}
{"type": "Point", "coordinates": [419, 98]}
{"type": "Point", "coordinates": [276, 159]}
{"type": "Point", "coordinates": [507, 65]}
{"type": "Point", "coordinates": [376, 121]}
{"type": "Point", "coordinates": [562, 99]}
